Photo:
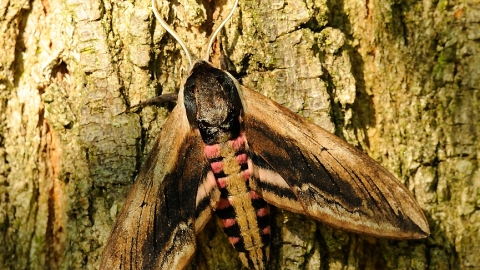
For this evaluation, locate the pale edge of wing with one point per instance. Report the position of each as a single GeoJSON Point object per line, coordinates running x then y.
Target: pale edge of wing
{"type": "Point", "coordinates": [272, 186]}
{"type": "Point", "coordinates": [368, 180]}
{"type": "Point", "coordinates": [208, 196]}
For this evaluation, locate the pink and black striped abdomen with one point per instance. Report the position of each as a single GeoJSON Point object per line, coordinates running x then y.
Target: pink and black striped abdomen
{"type": "Point", "coordinates": [243, 213]}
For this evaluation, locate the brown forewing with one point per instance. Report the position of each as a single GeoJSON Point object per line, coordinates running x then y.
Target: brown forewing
{"type": "Point", "coordinates": [156, 226]}
{"type": "Point", "coordinates": [333, 181]}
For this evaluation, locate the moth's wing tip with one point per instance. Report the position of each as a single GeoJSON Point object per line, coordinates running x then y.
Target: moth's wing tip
{"type": "Point", "coordinates": [423, 229]}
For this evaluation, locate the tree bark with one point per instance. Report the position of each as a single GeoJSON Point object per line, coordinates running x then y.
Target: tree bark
{"type": "Point", "coordinates": [400, 80]}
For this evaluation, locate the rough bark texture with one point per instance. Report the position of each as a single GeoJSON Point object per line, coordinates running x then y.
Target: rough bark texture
{"type": "Point", "coordinates": [398, 79]}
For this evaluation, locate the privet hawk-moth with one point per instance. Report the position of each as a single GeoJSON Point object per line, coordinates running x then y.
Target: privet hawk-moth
{"type": "Point", "coordinates": [228, 150]}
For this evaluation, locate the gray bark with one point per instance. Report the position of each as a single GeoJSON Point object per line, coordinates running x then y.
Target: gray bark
{"type": "Point", "coordinates": [400, 80]}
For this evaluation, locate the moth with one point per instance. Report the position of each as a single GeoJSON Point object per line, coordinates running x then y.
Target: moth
{"type": "Point", "coordinates": [230, 151]}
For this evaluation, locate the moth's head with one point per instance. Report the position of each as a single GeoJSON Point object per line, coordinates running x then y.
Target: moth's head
{"type": "Point", "coordinates": [212, 103]}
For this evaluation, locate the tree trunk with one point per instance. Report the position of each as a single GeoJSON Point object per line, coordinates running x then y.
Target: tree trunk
{"type": "Point", "coordinates": [400, 80]}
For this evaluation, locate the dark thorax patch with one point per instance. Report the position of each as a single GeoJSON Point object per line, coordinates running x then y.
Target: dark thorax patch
{"type": "Point", "coordinates": [212, 103]}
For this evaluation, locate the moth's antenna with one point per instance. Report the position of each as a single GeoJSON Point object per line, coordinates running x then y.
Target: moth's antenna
{"type": "Point", "coordinates": [173, 33]}
{"type": "Point", "coordinates": [214, 35]}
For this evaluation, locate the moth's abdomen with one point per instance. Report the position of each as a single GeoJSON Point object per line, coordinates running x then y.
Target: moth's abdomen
{"type": "Point", "coordinates": [243, 213]}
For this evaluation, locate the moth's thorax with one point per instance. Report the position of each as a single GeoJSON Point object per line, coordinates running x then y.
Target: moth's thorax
{"type": "Point", "coordinates": [244, 214]}
{"type": "Point", "coordinates": [212, 103]}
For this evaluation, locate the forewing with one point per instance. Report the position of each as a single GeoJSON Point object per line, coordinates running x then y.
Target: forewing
{"type": "Point", "coordinates": [301, 167]}
{"type": "Point", "coordinates": [156, 229]}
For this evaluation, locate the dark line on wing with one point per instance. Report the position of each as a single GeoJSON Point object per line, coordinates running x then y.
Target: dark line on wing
{"type": "Point", "coordinates": [261, 162]}
{"type": "Point", "coordinates": [330, 176]}
{"type": "Point", "coordinates": [204, 203]}
{"type": "Point", "coordinates": [341, 165]}
{"type": "Point", "coordinates": [278, 191]}
{"type": "Point", "coordinates": [305, 159]}
{"type": "Point", "coordinates": [362, 187]}
{"type": "Point", "coordinates": [371, 182]}
{"type": "Point", "coordinates": [258, 161]}
{"type": "Point", "coordinates": [379, 204]}
{"type": "Point", "coordinates": [328, 200]}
